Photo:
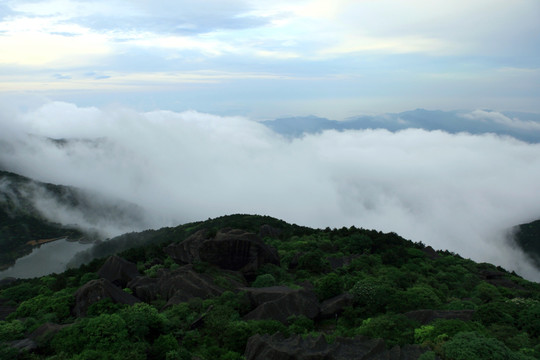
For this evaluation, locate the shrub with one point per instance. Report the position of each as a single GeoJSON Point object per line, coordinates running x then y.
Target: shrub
{"type": "Point", "coordinates": [11, 330]}
{"type": "Point", "coordinates": [395, 329]}
{"type": "Point", "coordinates": [264, 281]}
{"type": "Point", "coordinates": [163, 345]}
{"type": "Point", "coordinates": [419, 297]}
{"type": "Point", "coordinates": [300, 324]}
{"type": "Point", "coordinates": [328, 286]}
{"type": "Point", "coordinates": [472, 345]}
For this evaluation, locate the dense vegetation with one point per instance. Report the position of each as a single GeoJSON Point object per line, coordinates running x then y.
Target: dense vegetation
{"type": "Point", "coordinates": [20, 222]}
{"type": "Point", "coordinates": [526, 237]}
{"type": "Point", "coordinates": [387, 276]}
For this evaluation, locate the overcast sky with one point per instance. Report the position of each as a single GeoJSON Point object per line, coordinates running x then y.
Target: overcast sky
{"type": "Point", "coordinates": [166, 92]}
{"type": "Point", "coordinates": [265, 59]}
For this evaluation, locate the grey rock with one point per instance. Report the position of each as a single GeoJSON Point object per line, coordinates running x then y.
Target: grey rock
{"type": "Point", "coordinates": [426, 316]}
{"type": "Point", "coordinates": [118, 271]}
{"type": "Point", "coordinates": [335, 305]}
{"type": "Point", "coordinates": [230, 249]}
{"type": "Point", "coordinates": [269, 231]}
{"type": "Point", "coordinates": [180, 285]}
{"type": "Point", "coordinates": [337, 262]}
{"type": "Point", "coordinates": [24, 345]}
{"type": "Point", "coordinates": [97, 290]}
{"type": "Point", "coordinates": [281, 302]}
{"type": "Point", "coordinates": [430, 253]}
{"type": "Point", "coordinates": [295, 347]}
{"type": "Point", "coordinates": [45, 332]}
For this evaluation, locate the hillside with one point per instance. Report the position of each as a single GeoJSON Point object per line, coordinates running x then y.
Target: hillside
{"type": "Point", "coordinates": [32, 211]}
{"type": "Point", "coordinates": [527, 236]}
{"type": "Point", "coordinates": [21, 222]}
{"type": "Point", "coordinates": [254, 287]}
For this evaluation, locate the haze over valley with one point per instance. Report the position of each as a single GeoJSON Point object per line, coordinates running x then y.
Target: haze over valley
{"type": "Point", "coordinates": [418, 117]}
{"type": "Point", "coordinates": [460, 192]}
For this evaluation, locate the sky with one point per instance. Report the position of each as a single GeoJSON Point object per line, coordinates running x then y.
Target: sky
{"type": "Point", "coordinates": [160, 102]}
{"type": "Point", "coordinates": [268, 59]}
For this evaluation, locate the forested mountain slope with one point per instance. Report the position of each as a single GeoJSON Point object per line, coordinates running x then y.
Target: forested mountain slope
{"type": "Point", "coordinates": [32, 211]}
{"type": "Point", "coordinates": [20, 220]}
{"type": "Point", "coordinates": [527, 236]}
{"type": "Point", "coordinates": [254, 287]}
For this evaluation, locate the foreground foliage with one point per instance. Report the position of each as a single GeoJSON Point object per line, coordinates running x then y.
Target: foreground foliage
{"type": "Point", "coordinates": [387, 276]}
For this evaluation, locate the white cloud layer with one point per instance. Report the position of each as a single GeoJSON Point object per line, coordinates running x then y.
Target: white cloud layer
{"type": "Point", "coordinates": [457, 192]}
{"type": "Point", "coordinates": [502, 119]}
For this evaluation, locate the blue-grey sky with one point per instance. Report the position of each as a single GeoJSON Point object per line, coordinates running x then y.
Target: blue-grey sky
{"type": "Point", "coordinates": [265, 59]}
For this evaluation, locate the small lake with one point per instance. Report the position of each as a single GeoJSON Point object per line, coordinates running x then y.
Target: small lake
{"type": "Point", "coordinates": [47, 259]}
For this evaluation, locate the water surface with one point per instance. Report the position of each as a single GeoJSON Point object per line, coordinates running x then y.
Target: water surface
{"type": "Point", "coordinates": [47, 259]}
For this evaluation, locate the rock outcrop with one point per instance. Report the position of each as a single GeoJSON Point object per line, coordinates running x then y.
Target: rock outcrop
{"type": "Point", "coordinates": [426, 316]}
{"type": "Point", "coordinates": [179, 285]}
{"type": "Point", "coordinates": [24, 345]}
{"type": "Point", "coordinates": [334, 306]}
{"type": "Point", "coordinates": [430, 253]}
{"type": "Point", "coordinates": [230, 249]}
{"type": "Point", "coordinates": [45, 332]}
{"type": "Point", "coordinates": [281, 302]}
{"type": "Point", "coordinates": [269, 231]}
{"type": "Point", "coordinates": [5, 310]}
{"type": "Point", "coordinates": [277, 347]}
{"type": "Point", "coordinates": [96, 290]}
{"type": "Point", "coordinates": [498, 278]}
{"type": "Point", "coordinates": [337, 262]}
{"type": "Point", "coordinates": [118, 271]}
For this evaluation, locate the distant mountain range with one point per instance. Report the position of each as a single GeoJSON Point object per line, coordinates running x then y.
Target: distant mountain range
{"type": "Point", "coordinates": [520, 125]}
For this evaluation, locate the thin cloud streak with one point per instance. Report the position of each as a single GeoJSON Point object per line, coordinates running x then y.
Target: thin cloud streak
{"type": "Point", "coordinates": [458, 192]}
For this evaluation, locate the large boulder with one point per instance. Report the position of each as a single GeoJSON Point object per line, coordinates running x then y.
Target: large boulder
{"type": "Point", "coordinates": [46, 332]}
{"type": "Point", "coordinates": [230, 249]}
{"type": "Point", "coordinates": [24, 345]}
{"type": "Point", "coordinates": [430, 253]}
{"type": "Point", "coordinates": [337, 262]}
{"type": "Point", "coordinates": [5, 310]}
{"type": "Point", "coordinates": [426, 316]}
{"type": "Point", "coordinates": [498, 278]}
{"type": "Point", "coordinates": [281, 302]}
{"type": "Point", "coordinates": [180, 285]}
{"type": "Point", "coordinates": [96, 290]}
{"type": "Point", "coordinates": [277, 347]}
{"type": "Point", "coordinates": [118, 271]}
{"type": "Point", "coordinates": [269, 231]}
{"type": "Point", "coordinates": [335, 306]}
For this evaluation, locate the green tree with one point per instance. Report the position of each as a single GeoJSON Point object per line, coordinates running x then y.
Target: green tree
{"type": "Point", "coordinates": [395, 329]}
{"type": "Point", "coordinates": [11, 330]}
{"type": "Point", "coordinates": [419, 297]}
{"type": "Point", "coordinates": [162, 345]}
{"type": "Point", "coordinates": [142, 320]}
{"type": "Point", "coordinates": [486, 292]}
{"type": "Point", "coordinates": [472, 345]}
{"type": "Point", "coordinates": [329, 286]}
{"type": "Point", "coordinates": [264, 280]}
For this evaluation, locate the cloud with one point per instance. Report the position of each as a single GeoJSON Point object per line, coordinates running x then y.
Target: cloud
{"type": "Point", "coordinates": [166, 17]}
{"type": "Point", "coordinates": [497, 117]}
{"type": "Point", "coordinates": [40, 42]}
{"type": "Point", "coordinates": [458, 192]}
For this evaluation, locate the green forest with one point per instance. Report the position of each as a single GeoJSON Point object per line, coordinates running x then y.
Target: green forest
{"type": "Point", "coordinates": [339, 289]}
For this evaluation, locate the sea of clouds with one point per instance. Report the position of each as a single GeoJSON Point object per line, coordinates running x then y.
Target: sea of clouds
{"type": "Point", "coordinates": [459, 192]}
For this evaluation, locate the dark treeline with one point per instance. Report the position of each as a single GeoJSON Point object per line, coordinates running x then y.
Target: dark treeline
{"type": "Point", "coordinates": [387, 277]}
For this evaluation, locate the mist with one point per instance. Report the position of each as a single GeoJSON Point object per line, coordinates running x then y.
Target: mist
{"type": "Point", "coordinates": [459, 192]}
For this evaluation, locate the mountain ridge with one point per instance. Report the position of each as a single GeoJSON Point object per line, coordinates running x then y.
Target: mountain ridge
{"type": "Point", "coordinates": [346, 290]}
{"type": "Point", "coordinates": [522, 126]}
